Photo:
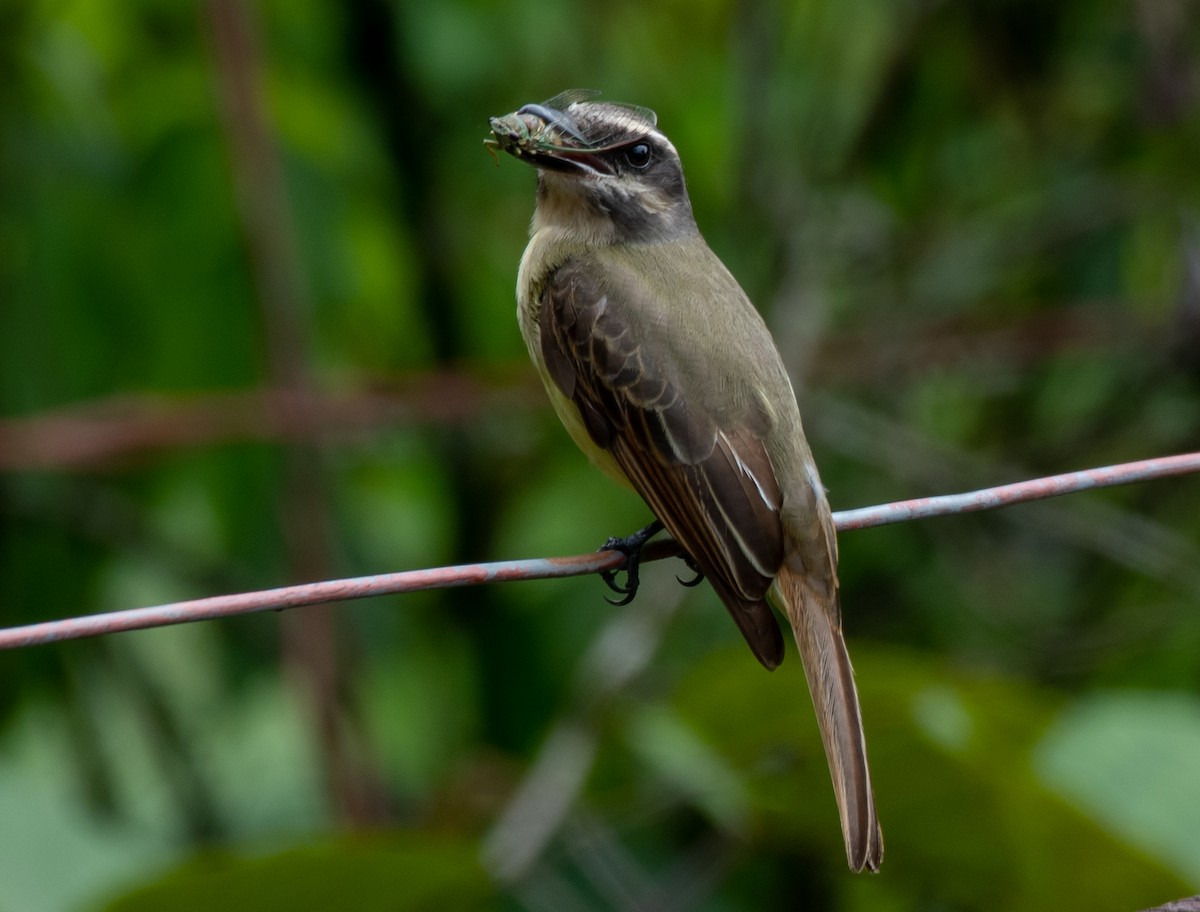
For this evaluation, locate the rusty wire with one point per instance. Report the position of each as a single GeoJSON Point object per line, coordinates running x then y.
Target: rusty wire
{"type": "Point", "coordinates": [578, 565]}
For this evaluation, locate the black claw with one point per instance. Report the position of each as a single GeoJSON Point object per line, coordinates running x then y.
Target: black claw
{"type": "Point", "coordinates": [610, 579]}
{"type": "Point", "coordinates": [631, 546]}
{"type": "Point", "coordinates": [695, 580]}
{"type": "Point", "coordinates": [617, 603]}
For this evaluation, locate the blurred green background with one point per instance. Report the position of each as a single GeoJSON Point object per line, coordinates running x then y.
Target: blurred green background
{"type": "Point", "coordinates": [256, 326]}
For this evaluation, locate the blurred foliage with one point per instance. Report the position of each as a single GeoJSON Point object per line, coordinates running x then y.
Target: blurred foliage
{"type": "Point", "coordinates": [975, 229]}
{"type": "Point", "coordinates": [400, 872]}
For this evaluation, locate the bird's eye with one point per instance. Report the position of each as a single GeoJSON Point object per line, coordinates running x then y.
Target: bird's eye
{"type": "Point", "coordinates": [638, 155]}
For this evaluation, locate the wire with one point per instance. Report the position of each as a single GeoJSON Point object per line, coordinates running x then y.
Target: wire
{"type": "Point", "coordinates": [204, 609]}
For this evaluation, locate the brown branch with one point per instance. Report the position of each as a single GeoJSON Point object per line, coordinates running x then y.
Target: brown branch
{"type": "Point", "coordinates": [310, 641]}
{"type": "Point", "coordinates": [127, 428]}
{"type": "Point", "coordinates": [113, 431]}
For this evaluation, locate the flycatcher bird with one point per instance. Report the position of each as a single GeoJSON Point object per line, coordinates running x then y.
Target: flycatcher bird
{"type": "Point", "coordinates": [667, 378]}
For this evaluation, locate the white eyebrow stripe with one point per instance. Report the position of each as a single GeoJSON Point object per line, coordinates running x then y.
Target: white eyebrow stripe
{"type": "Point", "coordinates": [619, 120]}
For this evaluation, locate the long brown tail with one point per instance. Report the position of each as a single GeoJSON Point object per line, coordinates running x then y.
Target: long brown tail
{"type": "Point", "coordinates": [816, 621]}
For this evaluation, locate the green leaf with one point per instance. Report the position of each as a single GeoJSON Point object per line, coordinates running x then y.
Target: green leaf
{"type": "Point", "coordinates": [1130, 760]}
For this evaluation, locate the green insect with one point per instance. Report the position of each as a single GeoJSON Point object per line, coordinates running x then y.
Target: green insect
{"type": "Point", "coordinates": [514, 133]}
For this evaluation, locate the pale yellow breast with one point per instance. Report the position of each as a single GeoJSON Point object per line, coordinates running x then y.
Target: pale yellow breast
{"type": "Point", "coordinates": [544, 253]}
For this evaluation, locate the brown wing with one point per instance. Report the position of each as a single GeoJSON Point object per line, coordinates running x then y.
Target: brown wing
{"type": "Point", "coordinates": [708, 478]}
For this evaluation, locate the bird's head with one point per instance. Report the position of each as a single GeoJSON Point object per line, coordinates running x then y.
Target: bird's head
{"type": "Point", "coordinates": [605, 171]}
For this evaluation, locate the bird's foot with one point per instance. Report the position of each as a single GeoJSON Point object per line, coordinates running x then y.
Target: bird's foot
{"type": "Point", "coordinates": [631, 546]}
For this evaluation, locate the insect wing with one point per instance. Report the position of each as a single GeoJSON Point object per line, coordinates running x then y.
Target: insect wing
{"type": "Point", "coordinates": [564, 100]}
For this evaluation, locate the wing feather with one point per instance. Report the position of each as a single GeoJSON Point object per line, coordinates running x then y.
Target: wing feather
{"type": "Point", "coordinates": [707, 477]}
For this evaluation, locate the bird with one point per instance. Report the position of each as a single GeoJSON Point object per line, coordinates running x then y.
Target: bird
{"type": "Point", "coordinates": [667, 377]}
